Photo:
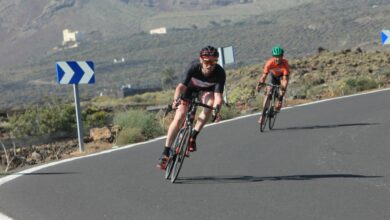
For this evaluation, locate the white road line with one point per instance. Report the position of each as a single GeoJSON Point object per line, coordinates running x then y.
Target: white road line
{"type": "Point", "coordinates": [4, 217]}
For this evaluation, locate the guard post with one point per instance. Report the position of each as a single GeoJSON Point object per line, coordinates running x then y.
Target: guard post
{"type": "Point", "coordinates": [76, 72]}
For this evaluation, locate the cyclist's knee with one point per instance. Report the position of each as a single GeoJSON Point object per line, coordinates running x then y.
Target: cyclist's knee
{"type": "Point", "coordinates": [282, 92]}
{"type": "Point", "coordinates": [207, 112]}
{"type": "Point", "coordinates": [180, 114]}
{"type": "Point", "coordinates": [208, 98]}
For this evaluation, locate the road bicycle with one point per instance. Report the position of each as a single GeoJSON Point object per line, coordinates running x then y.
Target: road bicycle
{"type": "Point", "coordinates": [269, 114]}
{"type": "Point", "coordinates": [179, 148]}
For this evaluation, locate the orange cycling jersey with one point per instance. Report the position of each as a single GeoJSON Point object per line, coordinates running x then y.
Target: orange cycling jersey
{"type": "Point", "coordinates": [282, 69]}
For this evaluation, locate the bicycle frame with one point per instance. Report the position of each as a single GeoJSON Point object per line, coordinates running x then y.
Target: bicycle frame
{"type": "Point", "coordinates": [269, 114]}
{"type": "Point", "coordinates": [180, 144]}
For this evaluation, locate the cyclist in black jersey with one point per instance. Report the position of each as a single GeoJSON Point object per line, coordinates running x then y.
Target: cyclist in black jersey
{"type": "Point", "coordinates": [207, 77]}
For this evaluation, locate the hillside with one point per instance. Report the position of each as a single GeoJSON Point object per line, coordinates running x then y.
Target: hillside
{"type": "Point", "coordinates": [315, 77]}
{"type": "Point", "coordinates": [252, 28]}
{"type": "Point", "coordinates": [322, 75]}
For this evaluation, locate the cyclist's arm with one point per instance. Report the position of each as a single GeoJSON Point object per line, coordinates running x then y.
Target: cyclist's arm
{"type": "Point", "coordinates": [218, 99]}
{"type": "Point", "coordinates": [285, 77]}
{"type": "Point", "coordinates": [266, 70]}
{"type": "Point", "coordinates": [180, 89]}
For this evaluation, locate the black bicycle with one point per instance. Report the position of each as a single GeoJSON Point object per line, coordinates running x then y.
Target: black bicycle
{"type": "Point", "coordinates": [180, 145]}
{"type": "Point", "coordinates": [269, 114]}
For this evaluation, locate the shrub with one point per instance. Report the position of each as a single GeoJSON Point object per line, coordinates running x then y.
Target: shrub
{"type": "Point", "coordinates": [94, 117]}
{"type": "Point", "coordinates": [352, 85]}
{"type": "Point", "coordinates": [146, 122]}
{"type": "Point", "coordinates": [240, 94]}
{"type": "Point", "coordinates": [130, 135]}
{"type": "Point", "coordinates": [229, 112]}
{"type": "Point", "coordinates": [46, 119]}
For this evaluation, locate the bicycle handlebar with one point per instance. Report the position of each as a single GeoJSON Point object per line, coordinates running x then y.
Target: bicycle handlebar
{"type": "Point", "coordinates": [268, 84]}
{"type": "Point", "coordinates": [197, 103]}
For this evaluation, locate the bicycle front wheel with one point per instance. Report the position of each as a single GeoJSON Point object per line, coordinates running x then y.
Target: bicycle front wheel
{"type": "Point", "coordinates": [264, 115]}
{"type": "Point", "coordinates": [272, 115]}
{"type": "Point", "coordinates": [174, 148]}
{"type": "Point", "coordinates": [183, 145]}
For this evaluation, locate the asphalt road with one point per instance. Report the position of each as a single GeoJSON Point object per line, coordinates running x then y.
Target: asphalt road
{"type": "Point", "coordinates": [329, 160]}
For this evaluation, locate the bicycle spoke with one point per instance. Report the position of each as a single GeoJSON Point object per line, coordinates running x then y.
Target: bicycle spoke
{"type": "Point", "coordinates": [264, 115]}
{"type": "Point", "coordinates": [172, 156]}
{"type": "Point", "coordinates": [185, 138]}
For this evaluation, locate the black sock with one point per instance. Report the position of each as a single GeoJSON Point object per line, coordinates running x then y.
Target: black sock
{"type": "Point", "coordinates": [166, 151]}
{"type": "Point", "coordinates": [194, 133]}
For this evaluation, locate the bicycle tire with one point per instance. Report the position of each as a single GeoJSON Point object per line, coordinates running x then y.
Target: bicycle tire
{"type": "Point", "coordinates": [185, 139]}
{"type": "Point", "coordinates": [172, 156]}
{"type": "Point", "coordinates": [272, 115]}
{"type": "Point", "coordinates": [264, 115]}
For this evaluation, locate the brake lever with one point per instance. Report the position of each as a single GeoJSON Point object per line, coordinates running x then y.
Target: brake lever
{"type": "Point", "coordinates": [169, 109]}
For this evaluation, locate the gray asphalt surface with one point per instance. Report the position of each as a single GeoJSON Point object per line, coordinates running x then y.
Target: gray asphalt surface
{"type": "Point", "coordinates": [324, 161]}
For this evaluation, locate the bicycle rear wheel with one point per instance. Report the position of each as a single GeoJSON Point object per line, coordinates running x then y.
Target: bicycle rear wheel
{"type": "Point", "coordinates": [172, 157]}
{"type": "Point", "coordinates": [184, 141]}
{"type": "Point", "coordinates": [272, 115]}
{"type": "Point", "coordinates": [264, 115]}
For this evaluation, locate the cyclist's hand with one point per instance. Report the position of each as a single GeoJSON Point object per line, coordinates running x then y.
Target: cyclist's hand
{"type": "Point", "coordinates": [176, 103]}
{"type": "Point", "coordinates": [260, 85]}
{"type": "Point", "coordinates": [216, 114]}
{"type": "Point", "coordinates": [216, 117]}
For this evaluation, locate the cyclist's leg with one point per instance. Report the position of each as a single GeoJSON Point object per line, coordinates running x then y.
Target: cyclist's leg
{"type": "Point", "coordinates": [277, 81]}
{"type": "Point", "coordinates": [178, 120]}
{"type": "Point", "coordinates": [172, 132]}
{"type": "Point", "coordinates": [207, 98]}
{"type": "Point", "coordinates": [283, 84]}
{"type": "Point", "coordinates": [269, 80]}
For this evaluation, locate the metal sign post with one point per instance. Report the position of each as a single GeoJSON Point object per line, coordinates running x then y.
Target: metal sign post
{"type": "Point", "coordinates": [76, 72]}
{"type": "Point", "coordinates": [80, 132]}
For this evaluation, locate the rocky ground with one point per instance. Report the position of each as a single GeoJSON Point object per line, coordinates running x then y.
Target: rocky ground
{"type": "Point", "coordinates": [20, 157]}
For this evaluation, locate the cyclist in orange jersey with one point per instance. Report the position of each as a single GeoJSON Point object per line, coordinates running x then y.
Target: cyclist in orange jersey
{"type": "Point", "coordinates": [280, 70]}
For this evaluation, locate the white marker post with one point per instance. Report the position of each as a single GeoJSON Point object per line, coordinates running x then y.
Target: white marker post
{"type": "Point", "coordinates": [226, 56]}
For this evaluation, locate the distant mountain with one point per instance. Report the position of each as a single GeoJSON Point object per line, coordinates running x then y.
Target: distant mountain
{"type": "Point", "coordinates": [29, 30]}
{"type": "Point", "coordinates": [32, 28]}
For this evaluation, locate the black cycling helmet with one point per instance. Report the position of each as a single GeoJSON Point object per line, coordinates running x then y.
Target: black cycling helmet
{"type": "Point", "coordinates": [209, 52]}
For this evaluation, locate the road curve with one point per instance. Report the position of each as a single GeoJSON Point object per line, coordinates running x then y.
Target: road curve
{"type": "Point", "coordinates": [327, 160]}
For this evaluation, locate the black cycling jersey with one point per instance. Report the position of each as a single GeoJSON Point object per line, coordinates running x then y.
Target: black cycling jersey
{"type": "Point", "coordinates": [195, 80]}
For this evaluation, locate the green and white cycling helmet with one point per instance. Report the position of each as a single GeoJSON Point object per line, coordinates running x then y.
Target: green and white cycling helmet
{"type": "Point", "coordinates": [277, 51]}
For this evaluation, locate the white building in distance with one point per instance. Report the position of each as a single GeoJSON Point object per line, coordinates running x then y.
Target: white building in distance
{"type": "Point", "coordinates": [70, 38]}
{"type": "Point", "coordinates": [161, 30]}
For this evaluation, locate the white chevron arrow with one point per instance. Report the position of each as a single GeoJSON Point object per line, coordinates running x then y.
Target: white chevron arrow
{"type": "Point", "coordinates": [68, 72]}
{"type": "Point", "coordinates": [88, 72]}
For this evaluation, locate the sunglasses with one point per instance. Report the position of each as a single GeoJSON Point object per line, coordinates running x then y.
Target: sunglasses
{"type": "Point", "coordinates": [210, 62]}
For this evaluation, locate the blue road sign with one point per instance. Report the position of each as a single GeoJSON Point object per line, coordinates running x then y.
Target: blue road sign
{"type": "Point", "coordinates": [385, 36]}
{"type": "Point", "coordinates": [75, 72]}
